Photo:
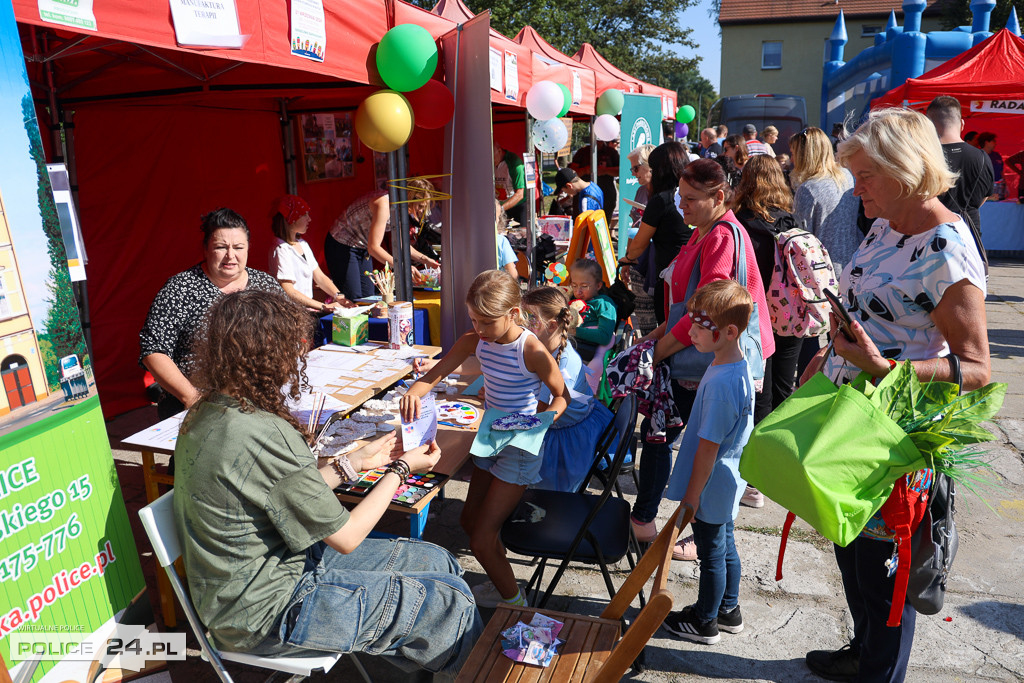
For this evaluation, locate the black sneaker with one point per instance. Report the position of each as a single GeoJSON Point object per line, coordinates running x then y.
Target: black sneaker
{"type": "Point", "coordinates": [730, 622]}
{"type": "Point", "coordinates": [838, 665]}
{"type": "Point", "coordinates": [686, 625]}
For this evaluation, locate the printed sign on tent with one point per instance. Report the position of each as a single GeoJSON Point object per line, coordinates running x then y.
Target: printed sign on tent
{"type": "Point", "coordinates": [997, 106]}
{"type": "Point", "coordinates": [309, 30]}
{"type": "Point", "coordinates": [511, 76]}
{"type": "Point", "coordinates": [206, 24]}
{"type": "Point", "coordinates": [77, 14]}
{"type": "Point", "coordinates": [495, 56]}
{"type": "Point", "coordinates": [577, 87]}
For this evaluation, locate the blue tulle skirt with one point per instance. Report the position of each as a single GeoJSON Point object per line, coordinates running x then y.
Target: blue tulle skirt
{"type": "Point", "coordinates": [569, 449]}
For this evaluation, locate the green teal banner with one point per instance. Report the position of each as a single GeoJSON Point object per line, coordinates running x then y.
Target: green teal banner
{"type": "Point", "coordinates": [641, 125]}
{"type": "Point", "coordinates": [68, 562]}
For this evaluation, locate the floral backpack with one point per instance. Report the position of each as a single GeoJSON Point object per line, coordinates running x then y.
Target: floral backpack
{"type": "Point", "coordinates": [802, 272]}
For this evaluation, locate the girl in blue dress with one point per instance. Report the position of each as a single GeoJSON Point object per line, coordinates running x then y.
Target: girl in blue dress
{"type": "Point", "coordinates": [570, 443]}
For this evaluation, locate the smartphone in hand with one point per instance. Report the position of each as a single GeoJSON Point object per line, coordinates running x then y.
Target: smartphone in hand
{"type": "Point", "coordinates": [839, 311]}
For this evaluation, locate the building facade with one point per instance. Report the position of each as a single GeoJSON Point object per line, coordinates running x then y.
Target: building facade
{"type": "Point", "coordinates": [780, 46]}
{"type": "Point", "coordinates": [21, 363]}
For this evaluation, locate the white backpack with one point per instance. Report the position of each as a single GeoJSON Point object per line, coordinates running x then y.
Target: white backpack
{"type": "Point", "coordinates": [803, 270]}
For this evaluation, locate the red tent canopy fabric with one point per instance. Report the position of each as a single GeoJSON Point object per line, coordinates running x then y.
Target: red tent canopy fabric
{"type": "Point", "coordinates": [163, 134]}
{"type": "Point", "coordinates": [550, 64]}
{"type": "Point", "coordinates": [458, 12]}
{"type": "Point", "coordinates": [610, 76]}
{"type": "Point", "coordinates": [991, 70]}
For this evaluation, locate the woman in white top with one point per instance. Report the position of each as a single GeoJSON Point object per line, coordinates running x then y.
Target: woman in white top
{"type": "Point", "coordinates": [292, 261]}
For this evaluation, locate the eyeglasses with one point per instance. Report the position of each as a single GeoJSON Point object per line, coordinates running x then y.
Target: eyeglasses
{"type": "Point", "coordinates": [636, 168]}
{"type": "Point", "coordinates": [584, 286]}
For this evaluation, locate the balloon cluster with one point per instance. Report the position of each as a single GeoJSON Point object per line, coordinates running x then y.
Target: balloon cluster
{"type": "Point", "coordinates": [548, 101]}
{"type": "Point", "coordinates": [406, 59]}
{"type": "Point", "coordinates": [556, 273]}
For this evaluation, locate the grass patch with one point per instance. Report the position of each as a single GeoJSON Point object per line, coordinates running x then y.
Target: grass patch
{"type": "Point", "coordinates": [795, 533]}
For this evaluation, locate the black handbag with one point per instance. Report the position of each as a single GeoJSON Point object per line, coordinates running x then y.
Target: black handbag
{"type": "Point", "coordinates": [624, 300]}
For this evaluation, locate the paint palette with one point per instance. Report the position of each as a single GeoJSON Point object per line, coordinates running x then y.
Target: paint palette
{"type": "Point", "coordinates": [459, 413]}
{"type": "Point", "coordinates": [408, 494]}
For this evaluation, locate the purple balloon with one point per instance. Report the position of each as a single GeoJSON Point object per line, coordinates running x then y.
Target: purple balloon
{"type": "Point", "coordinates": [682, 130]}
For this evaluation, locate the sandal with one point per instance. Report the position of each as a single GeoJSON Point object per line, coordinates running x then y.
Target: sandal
{"type": "Point", "coordinates": [685, 549]}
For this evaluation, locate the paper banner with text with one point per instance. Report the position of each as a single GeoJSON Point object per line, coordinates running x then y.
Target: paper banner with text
{"type": "Point", "coordinates": [69, 568]}
{"type": "Point", "coordinates": [309, 30]}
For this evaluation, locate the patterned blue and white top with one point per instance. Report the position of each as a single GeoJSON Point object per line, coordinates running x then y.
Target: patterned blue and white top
{"type": "Point", "coordinates": [894, 281]}
{"type": "Point", "coordinates": [508, 385]}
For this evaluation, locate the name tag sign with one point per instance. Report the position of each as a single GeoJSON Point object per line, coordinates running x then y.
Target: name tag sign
{"type": "Point", "coordinates": [206, 23]}
{"type": "Point", "coordinates": [997, 106]}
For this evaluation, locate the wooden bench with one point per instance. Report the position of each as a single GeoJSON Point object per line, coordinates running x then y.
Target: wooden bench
{"type": "Point", "coordinates": [592, 649]}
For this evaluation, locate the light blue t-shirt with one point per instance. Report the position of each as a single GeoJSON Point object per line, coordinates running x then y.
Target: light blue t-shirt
{"type": "Point", "coordinates": [722, 413]}
{"type": "Point", "coordinates": [571, 366]}
{"type": "Point", "coordinates": [506, 254]}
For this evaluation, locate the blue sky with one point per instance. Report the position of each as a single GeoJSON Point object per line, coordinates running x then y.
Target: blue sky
{"type": "Point", "coordinates": [18, 173]}
{"type": "Point", "coordinates": [709, 42]}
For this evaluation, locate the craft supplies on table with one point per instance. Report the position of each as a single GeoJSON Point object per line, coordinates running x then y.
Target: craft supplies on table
{"type": "Point", "coordinates": [415, 487]}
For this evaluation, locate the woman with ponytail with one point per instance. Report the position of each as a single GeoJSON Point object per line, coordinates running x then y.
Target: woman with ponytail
{"type": "Point", "coordinates": [570, 442]}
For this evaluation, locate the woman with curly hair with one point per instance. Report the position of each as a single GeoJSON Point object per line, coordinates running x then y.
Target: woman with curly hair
{"type": "Point", "coordinates": [274, 562]}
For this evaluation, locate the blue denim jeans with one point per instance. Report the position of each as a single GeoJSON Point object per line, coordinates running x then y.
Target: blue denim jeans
{"type": "Point", "coordinates": [656, 459]}
{"type": "Point", "coordinates": [719, 585]}
{"type": "Point", "coordinates": [402, 599]}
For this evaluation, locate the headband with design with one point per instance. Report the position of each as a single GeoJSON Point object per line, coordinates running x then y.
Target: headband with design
{"type": "Point", "coordinates": [292, 208]}
{"type": "Point", "coordinates": [704, 320]}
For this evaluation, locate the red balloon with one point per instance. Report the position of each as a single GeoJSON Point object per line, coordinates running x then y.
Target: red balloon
{"type": "Point", "coordinates": [432, 105]}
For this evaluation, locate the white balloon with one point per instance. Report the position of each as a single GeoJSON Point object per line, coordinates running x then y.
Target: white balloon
{"type": "Point", "coordinates": [606, 127]}
{"type": "Point", "coordinates": [544, 100]}
{"type": "Point", "coordinates": [550, 136]}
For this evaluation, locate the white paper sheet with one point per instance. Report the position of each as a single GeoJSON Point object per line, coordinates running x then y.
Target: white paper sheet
{"type": "Point", "coordinates": [335, 361]}
{"type": "Point", "coordinates": [422, 430]}
{"type": "Point", "coordinates": [161, 436]}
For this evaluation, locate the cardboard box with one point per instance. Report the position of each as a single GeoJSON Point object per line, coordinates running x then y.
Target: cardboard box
{"type": "Point", "coordinates": [350, 331]}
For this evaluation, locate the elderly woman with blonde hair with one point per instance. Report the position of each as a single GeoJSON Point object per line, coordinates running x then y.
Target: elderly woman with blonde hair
{"type": "Point", "coordinates": [916, 291]}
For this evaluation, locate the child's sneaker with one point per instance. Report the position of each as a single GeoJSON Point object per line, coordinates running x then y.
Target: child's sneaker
{"type": "Point", "coordinates": [752, 498]}
{"type": "Point", "coordinates": [487, 595]}
{"type": "Point", "coordinates": [686, 625]}
{"type": "Point", "coordinates": [730, 622]}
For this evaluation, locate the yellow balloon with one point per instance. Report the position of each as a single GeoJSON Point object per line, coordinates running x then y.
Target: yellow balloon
{"type": "Point", "coordinates": [384, 121]}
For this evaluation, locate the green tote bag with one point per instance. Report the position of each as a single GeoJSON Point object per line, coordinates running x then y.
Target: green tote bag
{"type": "Point", "coordinates": [830, 456]}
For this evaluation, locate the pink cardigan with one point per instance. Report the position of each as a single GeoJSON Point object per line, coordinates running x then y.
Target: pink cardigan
{"type": "Point", "coordinates": [716, 262]}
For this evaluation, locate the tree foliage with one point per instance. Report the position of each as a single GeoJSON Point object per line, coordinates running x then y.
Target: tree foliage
{"type": "Point", "coordinates": [637, 36]}
{"type": "Point", "coordinates": [958, 13]}
{"type": "Point", "coordinates": [63, 326]}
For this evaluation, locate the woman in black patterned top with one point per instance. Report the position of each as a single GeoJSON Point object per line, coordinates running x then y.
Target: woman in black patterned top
{"type": "Point", "coordinates": [180, 306]}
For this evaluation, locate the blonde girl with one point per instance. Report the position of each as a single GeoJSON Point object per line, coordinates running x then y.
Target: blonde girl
{"type": "Point", "coordinates": [515, 366]}
{"type": "Point", "coordinates": [570, 443]}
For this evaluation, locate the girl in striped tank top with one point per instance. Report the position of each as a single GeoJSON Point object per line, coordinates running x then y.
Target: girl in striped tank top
{"type": "Point", "coordinates": [515, 365]}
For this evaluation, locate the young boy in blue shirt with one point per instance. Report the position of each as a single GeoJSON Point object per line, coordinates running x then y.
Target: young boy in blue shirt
{"type": "Point", "coordinates": [706, 473]}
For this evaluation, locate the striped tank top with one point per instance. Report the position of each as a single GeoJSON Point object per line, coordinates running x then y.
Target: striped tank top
{"type": "Point", "coordinates": [508, 385]}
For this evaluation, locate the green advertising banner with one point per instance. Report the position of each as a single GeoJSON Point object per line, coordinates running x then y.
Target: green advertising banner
{"type": "Point", "coordinates": [641, 125]}
{"type": "Point", "coordinates": [68, 563]}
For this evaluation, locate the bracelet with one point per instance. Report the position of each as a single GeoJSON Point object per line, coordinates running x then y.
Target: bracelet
{"type": "Point", "coordinates": [399, 467]}
{"type": "Point", "coordinates": [343, 466]}
{"type": "Point", "coordinates": [892, 364]}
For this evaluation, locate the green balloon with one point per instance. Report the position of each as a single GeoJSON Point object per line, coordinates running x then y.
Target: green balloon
{"type": "Point", "coordinates": [406, 57]}
{"type": "Point", "coordinates": [685, 114]}
{"type": "Point", "coordinates": [610, 102]}
{"type": "Point", "coordinates": [567, 98]}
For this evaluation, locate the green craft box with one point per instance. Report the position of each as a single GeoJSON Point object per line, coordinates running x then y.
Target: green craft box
{"type": "Point", "coordinates": [351, 331]}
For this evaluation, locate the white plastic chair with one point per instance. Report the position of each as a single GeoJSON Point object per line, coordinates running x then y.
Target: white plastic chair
{"type": "Point", "coordinates": [158, 521]}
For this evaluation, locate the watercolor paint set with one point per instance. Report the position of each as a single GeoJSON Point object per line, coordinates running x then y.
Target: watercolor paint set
{"type": "Point", "coordinates": [415, 487]}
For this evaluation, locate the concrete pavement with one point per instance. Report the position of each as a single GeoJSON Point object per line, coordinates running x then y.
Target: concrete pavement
{"type": "Point", "coordinates": [979, 635]}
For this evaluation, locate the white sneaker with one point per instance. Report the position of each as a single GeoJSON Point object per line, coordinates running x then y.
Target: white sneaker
{"type": "Point", "coordinates": [752, 498]}
{"type": "Point", "coordinates": [487, 595]}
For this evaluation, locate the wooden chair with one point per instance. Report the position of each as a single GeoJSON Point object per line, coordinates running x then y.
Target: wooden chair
{"type": "Point", "coordinates": [593, 650]}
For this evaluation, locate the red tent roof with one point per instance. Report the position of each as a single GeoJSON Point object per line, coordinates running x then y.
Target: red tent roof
{"type": "Point", "coordinates": [610, 76]}
{"type": "Point", "coordinates": [550, 64]}
{"type": "Point", "coordinates": [992, 69]}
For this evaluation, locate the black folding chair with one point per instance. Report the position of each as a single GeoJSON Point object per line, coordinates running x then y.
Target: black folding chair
{"type": "Point", "coordinates": [581, 526]}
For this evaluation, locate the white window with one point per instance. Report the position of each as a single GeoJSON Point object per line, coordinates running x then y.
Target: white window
{"type": "Point", "coordinates": [771, 54]}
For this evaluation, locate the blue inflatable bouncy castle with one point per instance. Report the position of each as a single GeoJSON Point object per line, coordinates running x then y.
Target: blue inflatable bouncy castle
{"type": "Point", "coordinates": [899, 53]}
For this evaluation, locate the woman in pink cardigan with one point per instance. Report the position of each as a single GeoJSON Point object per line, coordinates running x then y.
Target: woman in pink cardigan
{"type": "Point", "coordinates": [704, 195]}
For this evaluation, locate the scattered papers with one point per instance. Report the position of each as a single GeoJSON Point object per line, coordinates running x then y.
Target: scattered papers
{"type": "Point", "coordinates": [533, 643]}
{"type": "Point", "coordinates": [161, 437]}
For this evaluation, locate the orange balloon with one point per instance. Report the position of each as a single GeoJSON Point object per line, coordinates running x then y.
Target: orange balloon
{"type": "Point", "coordinates": [384, 121]}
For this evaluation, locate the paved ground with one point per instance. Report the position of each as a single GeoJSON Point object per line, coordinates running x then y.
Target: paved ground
{"type": "Point", "coordinates": [979, 636]}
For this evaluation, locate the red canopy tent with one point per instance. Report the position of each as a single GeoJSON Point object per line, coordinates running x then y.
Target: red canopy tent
{"type": "Point", "coordinates": [550, 64]}
{"type": "Point", "coordinates": [610, 76]}
{"type": "Point", "coordinates": [982, 78]}
{"type": "Point", "coordinates": [161, 134]}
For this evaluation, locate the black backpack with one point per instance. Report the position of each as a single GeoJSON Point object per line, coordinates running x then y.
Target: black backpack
{"type": "Point", "coordinates": [624, 300]}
